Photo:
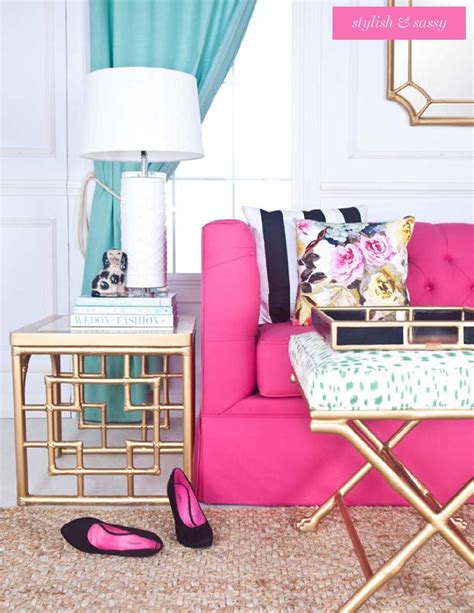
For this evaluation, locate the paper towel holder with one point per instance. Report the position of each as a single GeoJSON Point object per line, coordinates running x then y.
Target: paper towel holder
{"type": "Point", "coordinates": [145, 115]}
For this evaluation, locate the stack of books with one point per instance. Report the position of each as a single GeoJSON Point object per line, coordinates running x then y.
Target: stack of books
{"type": "Point", "coordinates": [140, 312]}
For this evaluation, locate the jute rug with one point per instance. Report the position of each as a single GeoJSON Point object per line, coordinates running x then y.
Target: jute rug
{"type": "Point", "coordinates": [259, 562]}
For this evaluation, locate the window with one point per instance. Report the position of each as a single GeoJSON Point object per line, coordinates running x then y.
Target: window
{"type": "Point", "coordinates": [247, 140]}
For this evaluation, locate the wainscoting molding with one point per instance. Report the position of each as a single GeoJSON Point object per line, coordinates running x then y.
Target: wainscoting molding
{"type": "Point", "coordinates": [40, 224]}
{"type": "Point", "coordinates": [50, 90]}
{"type": "Point", "coordinates": [306, 70]}
{"type": "Point", "coordinates": [356, 152]}
{"type": "Point", "coordinates": [380, 189]}
{"type": "Point", "coordinates": [32, 187]}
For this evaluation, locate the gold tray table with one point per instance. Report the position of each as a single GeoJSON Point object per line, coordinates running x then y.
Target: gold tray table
{"type": "Point", "coordinates": [336, 409]}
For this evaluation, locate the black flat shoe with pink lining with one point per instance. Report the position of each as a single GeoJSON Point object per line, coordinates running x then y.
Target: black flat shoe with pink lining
{"type": "Point", "coordinates": [92, 535]}
{"type": "Point", "coordinates": [191, 526]}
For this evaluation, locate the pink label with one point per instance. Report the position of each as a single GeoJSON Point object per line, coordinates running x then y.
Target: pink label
{"type": "Point", "coordinates": [399, 23]}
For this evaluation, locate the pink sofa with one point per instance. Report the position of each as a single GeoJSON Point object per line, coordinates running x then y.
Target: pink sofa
{"type": "Point", "coordinates": [253, 441]}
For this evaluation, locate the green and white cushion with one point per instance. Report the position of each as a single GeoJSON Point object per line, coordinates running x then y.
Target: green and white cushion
{"type": "Point", "coordinates": [381, 380]}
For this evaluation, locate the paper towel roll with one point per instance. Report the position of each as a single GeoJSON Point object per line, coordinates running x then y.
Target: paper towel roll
{"type": "Point", "coordinates": [143, 210]}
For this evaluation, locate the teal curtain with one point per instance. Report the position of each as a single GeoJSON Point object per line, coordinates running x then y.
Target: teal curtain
{"type": "Point", "coordinates": [200, 37]}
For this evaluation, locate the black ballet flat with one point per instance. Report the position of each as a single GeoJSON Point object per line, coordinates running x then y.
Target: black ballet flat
{"type": "Point", "coordinates": [92, 535]}
{"type": "Point", "coordinates": [191, 526]}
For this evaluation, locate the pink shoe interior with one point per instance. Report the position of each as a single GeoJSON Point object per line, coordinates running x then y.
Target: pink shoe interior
{"type": "Point", "coordinates": [188, 505]}
{"type": "Point", "coordinates": [108, 537]}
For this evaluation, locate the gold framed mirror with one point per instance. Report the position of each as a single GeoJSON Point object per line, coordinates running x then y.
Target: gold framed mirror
{"type": "Point", "coordinates": [434, 79]}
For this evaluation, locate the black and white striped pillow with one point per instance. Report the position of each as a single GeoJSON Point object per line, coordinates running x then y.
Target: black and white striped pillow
{"type": "Point", "coordinates": [275, 238]}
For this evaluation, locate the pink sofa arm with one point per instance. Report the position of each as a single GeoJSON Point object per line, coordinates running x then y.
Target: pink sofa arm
{"type": "Point", "coordinates": [230, 307]}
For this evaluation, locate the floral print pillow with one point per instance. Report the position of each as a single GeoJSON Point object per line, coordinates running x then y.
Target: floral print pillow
{"type": "Point", "coordinates": [351, 264]}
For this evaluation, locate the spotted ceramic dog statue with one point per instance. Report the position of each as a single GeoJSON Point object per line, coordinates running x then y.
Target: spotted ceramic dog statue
{"type": "Point", "coordinates": [110, 281]}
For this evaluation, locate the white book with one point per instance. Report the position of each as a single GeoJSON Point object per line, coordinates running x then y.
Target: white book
{"type": "Point", "coordinates": [122, 321]}
{"type": "Point", "coordinates": [125, 310]}
{"type": "Point", "coordinates": [164, 300]}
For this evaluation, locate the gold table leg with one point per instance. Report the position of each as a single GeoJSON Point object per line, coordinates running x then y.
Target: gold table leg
{"type": "Point", "coordinates": [166, 392]}
{"type": "Point", "coordinates": [56, 390]}
{"type": "Point", "coordinates": [356, 542]}
{"type": "Point", "coordinates": [393, 566]}
{"type": "Point", "coordinates": [188, 414]}
{"type": "Point", "coordinates": [400, 486]}
{"type": "Point", "coordinates": [438, 517]}
{"type": "Point", "coordinates": [310, 523]}
{"type": "Point", "coordinates": [19, 370]}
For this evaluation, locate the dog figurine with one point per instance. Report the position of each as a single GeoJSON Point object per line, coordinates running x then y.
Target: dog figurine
{"type": "Point", "coordinates": [111, 279]}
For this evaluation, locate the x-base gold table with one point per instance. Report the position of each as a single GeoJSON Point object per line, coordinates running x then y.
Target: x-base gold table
{"type": "Point", "coordinates": [344, 390]}
{"type": "Point", "coordinates": [54, 338]}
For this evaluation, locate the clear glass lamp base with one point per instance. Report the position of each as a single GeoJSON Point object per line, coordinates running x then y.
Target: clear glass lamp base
{"type": "Point", "coordinates": [148, 292]}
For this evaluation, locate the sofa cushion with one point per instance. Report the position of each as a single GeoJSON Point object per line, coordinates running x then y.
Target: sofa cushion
{"type": "Point", "coordinates": [273, 363]}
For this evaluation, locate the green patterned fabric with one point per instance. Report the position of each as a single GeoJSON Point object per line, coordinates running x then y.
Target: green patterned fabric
{"type": "Point", "coordinates": [381, 380]}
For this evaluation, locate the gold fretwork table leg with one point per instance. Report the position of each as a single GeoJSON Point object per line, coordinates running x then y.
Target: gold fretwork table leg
{"type": "Point", "coordinates": [145, 439]}
{"type": "Point", "coordinates": [19, 370]}
{"type": "Point", "coordinates": [56, 392]}
{"type": "Point", "coordinates": [379, 456]}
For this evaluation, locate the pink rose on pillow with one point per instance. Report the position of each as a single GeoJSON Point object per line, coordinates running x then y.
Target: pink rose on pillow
{"type": "Point", "coordinates": [303, 224]}
{"type": "Point", "coordinates": [377, 249]}
{"type": "Point", "coordinates": [347, 263]}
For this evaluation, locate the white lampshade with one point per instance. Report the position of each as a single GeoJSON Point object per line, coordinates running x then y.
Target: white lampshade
{"type": "Point", "coordinates": [129, 110]}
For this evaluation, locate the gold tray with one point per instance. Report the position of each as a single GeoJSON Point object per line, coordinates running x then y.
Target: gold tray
{"type": "Point", "coordinates": [401, 327]}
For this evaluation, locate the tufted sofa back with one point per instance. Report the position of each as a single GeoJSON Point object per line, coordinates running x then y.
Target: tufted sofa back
{"type": "Point", "coordinates": [441, 264]}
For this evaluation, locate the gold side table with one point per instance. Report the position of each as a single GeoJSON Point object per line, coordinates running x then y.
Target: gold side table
{"type": "Point", "coordinates": [54, 338]}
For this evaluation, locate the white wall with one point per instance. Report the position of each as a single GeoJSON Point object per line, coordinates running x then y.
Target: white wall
{"type": "Point", "coordinates": [351, 145]}
{"type": "Point", "coordinates": [34, 208]}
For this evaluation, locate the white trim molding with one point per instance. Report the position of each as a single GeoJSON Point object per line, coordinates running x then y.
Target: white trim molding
{"type": "Point", "coordinates": [33, 187]}
{"type": "Point", "coordinates": [51, 225]}
{"type": "Point", "coordinates": [356, 152]}
{"type": "Point", "coordinates": [380, 189]}
{"type": "Point", "coordinates": [306, 69]}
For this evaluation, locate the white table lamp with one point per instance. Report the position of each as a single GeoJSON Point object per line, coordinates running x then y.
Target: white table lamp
{"type": "Point", "coordinates": [142, 115]}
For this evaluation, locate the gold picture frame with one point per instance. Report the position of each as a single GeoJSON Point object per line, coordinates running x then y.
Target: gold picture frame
{"type": "Point", "coordinates": [423, 108]}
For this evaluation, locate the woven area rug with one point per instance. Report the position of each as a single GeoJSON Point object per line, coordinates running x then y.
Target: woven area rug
{"type": "Point", "coordinates": [259, 562]}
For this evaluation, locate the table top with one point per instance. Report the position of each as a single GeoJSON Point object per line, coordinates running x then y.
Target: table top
{"type": "Point", "coordinates": [55, 331]}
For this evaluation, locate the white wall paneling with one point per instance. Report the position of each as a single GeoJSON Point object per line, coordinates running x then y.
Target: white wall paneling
{"type": "Point", "coordinates": [352, 145]}
{"type": "Point", "coordinates": [33, 110]}
{"type": "Point", "coordinates": [77, 31]}
{"type": "Point", "coordinates": [307, 62]}
{"type": "Point", "coordinates": [30, 74]}
{"type": "Point", "coordinates": [34, 267]}
{"type": "Point", "coordinates": [34, 272]}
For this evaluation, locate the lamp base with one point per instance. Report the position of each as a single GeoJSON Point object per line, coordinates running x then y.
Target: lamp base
{"type": "Point", "coordinates": [147, 292]}
{"type": "Point", "coordinates": [143, 212]}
